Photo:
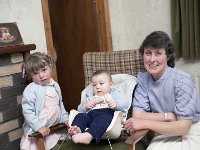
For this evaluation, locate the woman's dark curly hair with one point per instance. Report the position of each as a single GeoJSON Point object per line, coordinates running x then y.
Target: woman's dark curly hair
{"type": "Point", "coordinates": [159, 39]}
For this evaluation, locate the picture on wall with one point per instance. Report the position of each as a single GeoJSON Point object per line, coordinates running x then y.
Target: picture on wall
{"type": "Point", "coordinates": [10, 35]}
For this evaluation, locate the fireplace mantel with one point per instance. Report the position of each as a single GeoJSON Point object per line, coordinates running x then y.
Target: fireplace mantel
{"type": "Point", "coordinates": [25, 48]}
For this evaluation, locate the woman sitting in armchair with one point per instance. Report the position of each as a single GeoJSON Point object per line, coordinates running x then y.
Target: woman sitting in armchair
{"type": "Point", "coordinates": [165, 100]}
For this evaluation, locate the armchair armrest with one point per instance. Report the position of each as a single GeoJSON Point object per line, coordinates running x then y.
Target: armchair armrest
{"type": "Point", "coordinates": [53, 129]}
{"type": "Point", "coordinates": [135, 137]}
{"type": "Point", "coordinates": [39, 137]}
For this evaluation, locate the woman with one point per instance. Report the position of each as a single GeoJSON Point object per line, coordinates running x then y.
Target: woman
{"type": "Point", "coordinates": [165, 100]}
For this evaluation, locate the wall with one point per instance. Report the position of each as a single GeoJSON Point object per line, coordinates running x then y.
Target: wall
{"type": "Point", "coordinates": [132, 20]}
{"type": "Point", "coordinates": [28, 15]}
{"type": "Point", "coordinates": [191, 67]}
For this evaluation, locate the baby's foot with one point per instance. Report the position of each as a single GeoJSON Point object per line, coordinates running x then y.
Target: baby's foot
{"type": "Point", "coordinates": [74, 130]}
{"type": "Point", "coordinates": [84, 138]}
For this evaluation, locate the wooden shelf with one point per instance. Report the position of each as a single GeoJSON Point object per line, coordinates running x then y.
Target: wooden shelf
{"type": "Point", "coordinates": [17, 49]}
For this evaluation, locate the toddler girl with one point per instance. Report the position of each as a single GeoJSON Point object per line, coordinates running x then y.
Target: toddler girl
{"type": "Point", "coordinates": [41, 103]}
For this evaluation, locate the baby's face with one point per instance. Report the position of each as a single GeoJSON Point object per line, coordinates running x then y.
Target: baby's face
{"type": "Point", "coordinates": [101, 84]}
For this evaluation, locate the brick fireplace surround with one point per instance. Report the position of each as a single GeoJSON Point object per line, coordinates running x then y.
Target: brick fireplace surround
{"type": "Point", "coordinates": [11, 88]}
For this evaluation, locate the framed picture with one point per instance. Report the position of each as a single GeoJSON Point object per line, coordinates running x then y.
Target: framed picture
{"type": "Point", "coordinates": [9, 34]}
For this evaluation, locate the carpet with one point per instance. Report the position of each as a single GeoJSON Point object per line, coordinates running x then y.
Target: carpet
{"type": "Point", "coordinates": [102, 145]}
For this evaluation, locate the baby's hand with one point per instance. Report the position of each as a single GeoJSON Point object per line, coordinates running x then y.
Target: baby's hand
{"type": "Point", "coordinates": [97, 100]}
{"type": "Point", "coordinates": [91, 104]}
{"type": "Point", "coordinates": [44, 131]}
{"type": "Point", "coordinates": [112, 104]}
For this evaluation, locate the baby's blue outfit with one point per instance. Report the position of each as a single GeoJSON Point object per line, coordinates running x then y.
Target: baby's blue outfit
{"type": "Point", "coordinates": [98, 120]}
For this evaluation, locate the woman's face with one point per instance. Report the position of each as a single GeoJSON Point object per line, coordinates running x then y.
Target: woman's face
{"type": "Point", "coordinates": [155, 61]}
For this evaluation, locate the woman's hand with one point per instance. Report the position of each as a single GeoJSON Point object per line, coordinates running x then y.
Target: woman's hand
{"type": "Point", "coordinates": [170, 128]}
{"type": "Point", "coordinates": [134, 124]}
{"type": "Point", "coordinates": [44, 131]}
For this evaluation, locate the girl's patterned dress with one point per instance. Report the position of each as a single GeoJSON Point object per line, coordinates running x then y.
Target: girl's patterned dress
{"type": "Point", "coordinates": [49, 115]}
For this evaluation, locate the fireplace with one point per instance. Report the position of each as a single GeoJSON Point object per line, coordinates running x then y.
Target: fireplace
{"type": "Point", "coordinates": [11, 88]}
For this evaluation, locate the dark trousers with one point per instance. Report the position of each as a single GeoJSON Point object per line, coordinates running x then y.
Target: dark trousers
{"type": "Point", "coordinates": [97, 122]}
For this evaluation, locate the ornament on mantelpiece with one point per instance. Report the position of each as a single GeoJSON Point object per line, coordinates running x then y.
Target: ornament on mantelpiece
{"type": "Point", "coordinates": [10, 35]}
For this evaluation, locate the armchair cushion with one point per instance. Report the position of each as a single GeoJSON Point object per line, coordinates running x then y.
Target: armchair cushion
{"type": "Point", "coordinates": [121, 82]}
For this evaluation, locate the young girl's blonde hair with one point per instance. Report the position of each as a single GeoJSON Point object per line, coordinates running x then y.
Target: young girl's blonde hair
{"type": "Point", "coordinates": [36, 61]}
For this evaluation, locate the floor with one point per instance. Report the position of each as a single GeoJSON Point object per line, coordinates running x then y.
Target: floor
{"type": "Point", "coordinates": [103, 145]}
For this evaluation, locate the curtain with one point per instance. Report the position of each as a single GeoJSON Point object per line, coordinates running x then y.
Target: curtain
{"type": "Point", "coordinates": [185, 21]}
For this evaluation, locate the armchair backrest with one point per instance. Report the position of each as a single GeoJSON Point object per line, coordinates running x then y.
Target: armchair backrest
{"type": "Point", "coordinates": [116, 62]}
